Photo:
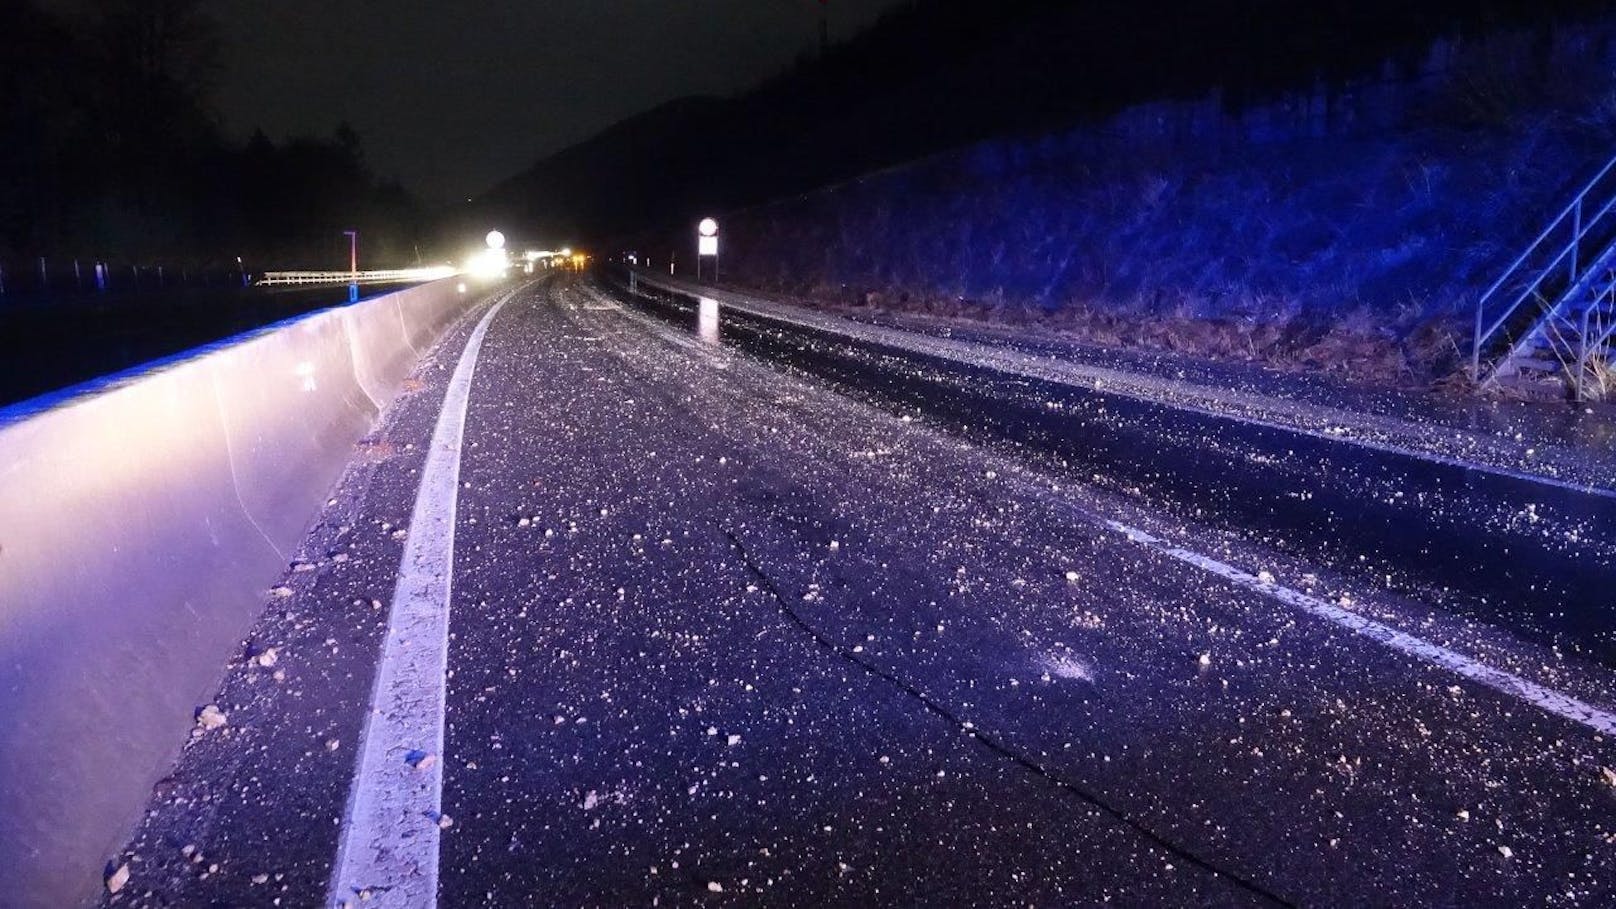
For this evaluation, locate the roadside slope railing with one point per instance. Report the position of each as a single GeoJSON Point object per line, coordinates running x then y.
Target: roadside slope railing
{"type": "Point", "coordinates": [1539, 308]}
{"type": "Point", "coordinates": [384, 276]}
{"type": "Point", "coordinates": [141, 521]}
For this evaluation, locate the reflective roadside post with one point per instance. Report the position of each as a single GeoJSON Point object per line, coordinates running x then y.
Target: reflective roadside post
{"type": "Point", "coordinates": [707, 320]}
{"type": "Point", "coordinates": [707, 245]}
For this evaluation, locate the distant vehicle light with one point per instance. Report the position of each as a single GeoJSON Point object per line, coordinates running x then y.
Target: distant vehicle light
{"type": "Point", "coordinates": [487, 264]}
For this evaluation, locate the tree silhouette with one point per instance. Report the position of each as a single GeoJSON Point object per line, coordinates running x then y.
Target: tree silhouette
{"type": "Point", "coordinates": [116, 153]}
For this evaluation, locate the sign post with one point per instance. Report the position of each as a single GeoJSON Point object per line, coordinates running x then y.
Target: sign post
{"type": "Point", "coordinates": [353, 264]}
{"type": "Point", "coordinates": [707, 245]}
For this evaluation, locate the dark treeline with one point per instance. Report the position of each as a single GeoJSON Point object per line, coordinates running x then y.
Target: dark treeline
{"type": "Point", "coordinates": [112, 151]}
{"type": "Point", "coordinates": [938, 74]}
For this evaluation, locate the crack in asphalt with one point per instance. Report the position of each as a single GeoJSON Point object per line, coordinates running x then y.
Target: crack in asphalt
{"type": "Point", "coordinates": [989, 742]}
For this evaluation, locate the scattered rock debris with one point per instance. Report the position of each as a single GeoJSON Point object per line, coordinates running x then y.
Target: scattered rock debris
{"type": "Point", "coordinates": [211, 717]}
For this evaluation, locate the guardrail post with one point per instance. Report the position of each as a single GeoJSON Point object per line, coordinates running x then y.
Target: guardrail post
{"type": "Point", "coordinates": [1576, 237]}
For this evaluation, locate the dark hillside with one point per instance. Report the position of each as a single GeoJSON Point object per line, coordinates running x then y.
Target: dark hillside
{"type": "Point", "coordinates": [1348, 236]}
{"type": "Point", "coordinates": [938, 74]}
{"type": "Point", "coordinates": [646, 163]}
{"type": "Point", "coordinates": [112, 152]}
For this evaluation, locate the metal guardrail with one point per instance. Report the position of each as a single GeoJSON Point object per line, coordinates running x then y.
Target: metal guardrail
{"type": "Point", "coordinates": [1498, 306]}
{"type": "Point", "coordinates": [388, 276]}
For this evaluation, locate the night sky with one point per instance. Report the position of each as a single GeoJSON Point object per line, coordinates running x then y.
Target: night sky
{"type": "Point", "coordinates": [450, 98]}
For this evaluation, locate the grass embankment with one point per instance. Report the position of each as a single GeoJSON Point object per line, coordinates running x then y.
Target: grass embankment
{"type": "Point", "coordinates": [1351, 242]}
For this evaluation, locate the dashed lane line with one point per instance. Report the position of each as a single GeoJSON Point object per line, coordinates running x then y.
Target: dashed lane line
{"type": "Point", "coordinates": [1547, 699]}
{"type": "Point", "coordinates": [1555, 702]}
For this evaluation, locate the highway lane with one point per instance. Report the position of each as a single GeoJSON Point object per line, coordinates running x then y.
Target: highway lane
{"type": "Point", "coordinates": [723, 634]}
{"type": "Point", "coordinates": [1528, 552]}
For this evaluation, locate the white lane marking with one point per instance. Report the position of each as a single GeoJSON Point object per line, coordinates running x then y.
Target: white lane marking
{"type": "Point", "coordinates": [1555, 702]}
{"type": "Point", "coordinates": [1548, 699]}
{"type": "Point", "coordinates": [388, 847]}
{"type": "Point", "coordinates": [1507, 683]}
{"type": "Point", "coordinates": [1011, 361]}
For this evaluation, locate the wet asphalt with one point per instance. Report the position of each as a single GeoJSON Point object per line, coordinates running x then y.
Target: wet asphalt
{"type": "Point", "coordinates": [1537, 557]}
{"type": "Point", "coordinates": [724, 634]}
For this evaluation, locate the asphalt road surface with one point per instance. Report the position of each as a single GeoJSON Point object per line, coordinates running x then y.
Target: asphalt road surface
{"type": "Point", "coordinates": [688, 609]}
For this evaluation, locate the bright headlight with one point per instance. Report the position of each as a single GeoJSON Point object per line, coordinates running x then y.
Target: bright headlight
{"type": "Point", "coordinates": [487, 264]}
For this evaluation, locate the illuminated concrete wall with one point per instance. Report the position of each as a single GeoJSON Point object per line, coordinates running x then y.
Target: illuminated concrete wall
{"type": "Point", "coordinates": [141, 521]}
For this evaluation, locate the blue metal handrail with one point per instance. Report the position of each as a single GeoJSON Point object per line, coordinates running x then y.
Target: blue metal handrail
{"type": "Point", "coordinates": [1486, 328]}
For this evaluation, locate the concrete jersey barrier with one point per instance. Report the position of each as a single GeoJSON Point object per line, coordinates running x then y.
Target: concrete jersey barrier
{"type": "Point", "coordinates": [141, 520]}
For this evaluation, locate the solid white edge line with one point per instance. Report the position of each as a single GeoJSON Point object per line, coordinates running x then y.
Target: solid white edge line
{"type": "Point", "coordinates": [1547, 699]}
{"type": "Point", "coordinates": [1555, 702]}
{"type": "Point", "coordinates": [387, 852]}
{"type": "Point", "coordinates": [895, 337]}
